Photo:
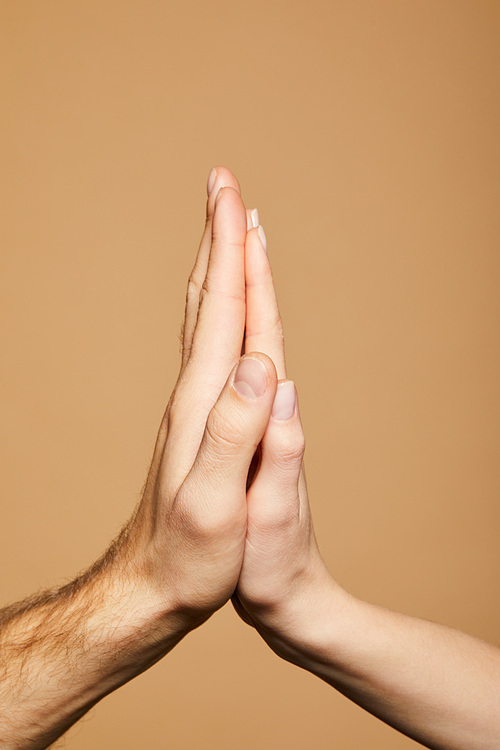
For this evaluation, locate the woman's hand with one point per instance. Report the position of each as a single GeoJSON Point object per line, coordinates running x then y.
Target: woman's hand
{"type": "Point", "coordinates": [283, 574]}
{"type": "Point", "coordinates": [434, 684]}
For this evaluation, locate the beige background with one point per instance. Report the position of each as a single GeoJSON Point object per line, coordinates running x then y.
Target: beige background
{"type": "Point", "coordinates": [367, 133]}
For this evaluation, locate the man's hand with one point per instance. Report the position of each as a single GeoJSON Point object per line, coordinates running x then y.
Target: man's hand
{"type": "Point", "coordinates": [179, 557]}
{"type": "Point", "coordinates": [187, 540]}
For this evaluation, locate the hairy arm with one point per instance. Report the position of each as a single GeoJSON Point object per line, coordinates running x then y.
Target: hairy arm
{"type": "Point", "coordinates": [63, 650]}
{"type": "Point", "coordinates": [179, 557]}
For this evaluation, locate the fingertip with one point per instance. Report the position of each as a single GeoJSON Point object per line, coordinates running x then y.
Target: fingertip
{"type": "Point", "coordinates": [285, 401]}
{"type": "Point", "coordinates": [256, 242]}
{"type": "Point", "coordinates": [229, 216]}
{"type": "Point", "coordinates": [218, 178]}
{"type": "Point", "coordinates": [252, 218]}
{"type": "Point", "coordinates": [211, 180]}
{"type": "Point", "coordinates": [228, 177]}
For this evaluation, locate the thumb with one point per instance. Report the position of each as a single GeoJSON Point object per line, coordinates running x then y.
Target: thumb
{"type": "Point", "coordinates": [234, 429]}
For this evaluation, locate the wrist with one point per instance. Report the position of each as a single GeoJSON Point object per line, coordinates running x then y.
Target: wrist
{"type": "Point", "coordinates": [65, 649]}
{"type": "Point", "coordinates": [128, 622]}
{"type": "Point", "coordinates": [310, 625]}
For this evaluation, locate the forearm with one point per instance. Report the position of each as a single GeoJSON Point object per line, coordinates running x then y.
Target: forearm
{"type": "Point", "coordinates": [63, 651]}
{"type": "Point", "coordinates": [435, 684]}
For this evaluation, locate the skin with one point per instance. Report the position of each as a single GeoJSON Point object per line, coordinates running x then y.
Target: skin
{"type": "Point", "coordinates": [179, 557]}
{"type": "Point", "coordinates": [225, 514]}
{"type": "Point", "coordinates": [433, 683]}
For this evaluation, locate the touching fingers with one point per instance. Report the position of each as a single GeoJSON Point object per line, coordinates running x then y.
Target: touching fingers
{"type": "Point", "coordinates": [220, 323]}
{"type": "Point", "coordinates": [218, 178]}
{"type": "Point", "coordinates": [264, 330]}
{"type": "Point", "coordinates": [280, 467]}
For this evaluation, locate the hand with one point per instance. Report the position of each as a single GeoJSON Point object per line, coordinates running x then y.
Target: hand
{"type": "Point", "coordinates": [283, 573]}
{"type": "Point", "coordinates": [185, 544]}
{"type": "Point", "coordinates": [179, 557]}
{"type": "Point", "coordinates": [408, 672]}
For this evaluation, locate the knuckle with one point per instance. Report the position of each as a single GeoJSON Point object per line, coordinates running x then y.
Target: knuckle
{"type": "Point", "coordinates": [223, 435]}
{"type": "Point", "coordinates": [203, 521]}
{"type": "Point", "coordinates": [204, 291]}
{"type": "Point", "coordinates": [291, 449]}
{"type": "Point", "coordinates": [272, 327]}
{"type": "Point", "coordinates": [193, 289]}
{"type": "Point", "coordinates": [215, 287]}
{"type": "Point", "coordinates": [197, 527]}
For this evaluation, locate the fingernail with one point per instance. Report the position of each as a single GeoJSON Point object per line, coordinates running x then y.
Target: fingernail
{"type": "Point", "coordinates": [250, 379]}
{"type": "Point", "coordinates": [255, 218]}
{"type": "Point", "coordinates": [262, 236]}
{"type": "Point", "coordinates": [284, 401]}
{"type": "Point", "coordinates": [219, 195]}
{"type": "Point", "coordinates": [211, 180]}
